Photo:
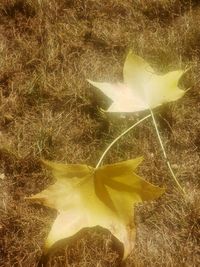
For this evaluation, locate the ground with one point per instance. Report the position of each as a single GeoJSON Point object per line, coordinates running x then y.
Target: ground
{"type": "Point", "coordinates": [48, 110]}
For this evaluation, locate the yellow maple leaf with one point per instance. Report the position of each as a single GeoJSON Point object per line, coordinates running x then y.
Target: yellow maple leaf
{"type": "Point", "coordinates": [142, 89]}
{"type": "Point", "coordinates": [88, 197]}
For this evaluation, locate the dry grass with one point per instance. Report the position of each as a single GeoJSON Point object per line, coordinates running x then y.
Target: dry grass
{"type": "Point", "coordinates": [47, 109]}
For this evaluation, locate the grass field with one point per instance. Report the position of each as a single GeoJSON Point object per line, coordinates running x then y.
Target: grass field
{"type": "Point", "coordinates": [48, 48]}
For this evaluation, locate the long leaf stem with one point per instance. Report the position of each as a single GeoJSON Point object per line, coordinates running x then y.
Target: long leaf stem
{"type": "Point", "coordinates": [165, 155]}
{"type": "Point", "coordinates": [117, 138]}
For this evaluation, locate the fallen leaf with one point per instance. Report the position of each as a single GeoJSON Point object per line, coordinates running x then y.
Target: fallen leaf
{"type": "Point", "coordinates": [142, 88]}
{"type": "Point", "coordinates": [88, 197]}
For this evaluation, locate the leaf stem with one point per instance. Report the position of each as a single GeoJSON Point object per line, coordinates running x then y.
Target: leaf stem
{"type": "Point", "coordinates": [165, 155]}
{"type": "Point", "coordinates": [117, 138]}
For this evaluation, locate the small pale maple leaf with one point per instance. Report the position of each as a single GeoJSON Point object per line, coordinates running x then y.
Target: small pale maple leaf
{"type": "Point", "coordinates": [142, 89]}
{"type": "Point", "coordinates": [88, 197]}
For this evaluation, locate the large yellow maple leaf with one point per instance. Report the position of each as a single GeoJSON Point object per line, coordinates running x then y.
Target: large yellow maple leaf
{"type": "Point", "coordinates": [142, 88]}
{"type": "Point", "coordinates": [88, 197]}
